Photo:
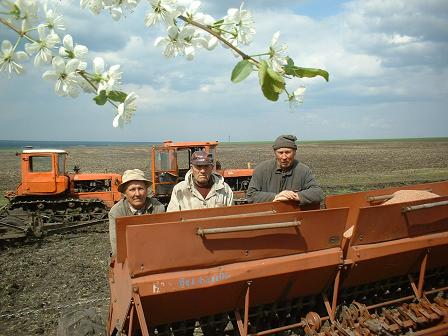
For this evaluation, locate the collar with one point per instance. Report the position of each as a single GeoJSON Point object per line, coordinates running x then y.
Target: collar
{"type": "Point", "coordinates": [287, 172]}
{"type": "Point", "coordinates": [214, 184]}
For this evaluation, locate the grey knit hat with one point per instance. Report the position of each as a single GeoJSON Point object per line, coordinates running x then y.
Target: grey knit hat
{"type": "Point", "coordinates": [285, 141]}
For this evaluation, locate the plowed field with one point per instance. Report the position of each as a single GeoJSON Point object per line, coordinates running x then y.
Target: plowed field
{"type": "Point", "coordinates": [43, 279]}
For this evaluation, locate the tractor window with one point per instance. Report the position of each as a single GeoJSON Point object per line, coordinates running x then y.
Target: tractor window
{"type": "Point", "coordinates": [165, 160]}
{"type": "Point", "coordinates": [61, 164]}
{"type": "Point", "coordinates": [40, 164]}
{"type": "Point", "coordinates": [213, 153]}
{"type": "Point", "coordinates": [183, 159]}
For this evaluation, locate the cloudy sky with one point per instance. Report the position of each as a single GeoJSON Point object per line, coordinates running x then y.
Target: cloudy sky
{"type": "Point", "coordinates": [387, 59]}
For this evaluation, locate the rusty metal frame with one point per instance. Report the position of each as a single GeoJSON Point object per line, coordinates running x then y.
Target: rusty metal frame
{"type": "Point", "coordinates": [244, 326]}
{"type": "Point", "coordinates": [331, 308]}
{"type": "Point", "coordinates": [421, 278]}
{"type": "Point", "coordinates": [140, 313]}
{"type": "Point", "coordinates": [131, 319]}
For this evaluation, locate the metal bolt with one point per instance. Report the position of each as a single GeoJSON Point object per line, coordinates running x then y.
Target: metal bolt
{"type": "Point", "coordinates": [334, 240]}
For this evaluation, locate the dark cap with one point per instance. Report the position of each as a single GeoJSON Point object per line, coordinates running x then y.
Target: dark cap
{"type": "Point", "coordinates": [285, 141]}
{"type": "Point", "coordinates": [201, 158]}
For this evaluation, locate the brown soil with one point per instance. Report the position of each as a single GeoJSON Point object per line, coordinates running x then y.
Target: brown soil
{"type": "Point", "coordinates": [44, 279]}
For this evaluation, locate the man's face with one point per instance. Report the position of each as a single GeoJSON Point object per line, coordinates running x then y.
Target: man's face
{"type": "Point", "coordinates": [135, 193]}
{"type": "Point", "coordinates": [285, 157]}
{"type": "Point", "coordinates": [201, 174]}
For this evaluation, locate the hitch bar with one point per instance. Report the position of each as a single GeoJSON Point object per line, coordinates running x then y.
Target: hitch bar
{"type": "Point", "coordinates": [256, 227]}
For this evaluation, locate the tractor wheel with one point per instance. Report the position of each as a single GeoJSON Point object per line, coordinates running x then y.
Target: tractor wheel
{"type": "Point", "coordinates": [37, 226]}
{"type": "Point", "coordinates": [81, 323]}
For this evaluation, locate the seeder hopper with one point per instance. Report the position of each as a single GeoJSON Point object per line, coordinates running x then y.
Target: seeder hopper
{"type": "Point", "coordinates": [357, 267]}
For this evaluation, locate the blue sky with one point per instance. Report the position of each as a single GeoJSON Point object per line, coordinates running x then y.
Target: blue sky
{"type": "Point", "coordinates": [387, 61]}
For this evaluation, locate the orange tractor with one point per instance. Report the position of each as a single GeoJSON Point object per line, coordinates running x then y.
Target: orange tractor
{"type": "Point", "coordinates": [49, 199]}
{"type": "Point", "coordinates": [171, 161]}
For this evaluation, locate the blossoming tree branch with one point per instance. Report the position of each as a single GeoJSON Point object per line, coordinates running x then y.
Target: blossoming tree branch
{"type": "Point", "coordinates": [39, 33]}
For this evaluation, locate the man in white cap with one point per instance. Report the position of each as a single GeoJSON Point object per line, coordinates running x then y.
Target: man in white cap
{"type": "Point", "coordinates": [284, 178]}
{"type": "Point", "coordinates": [134, 187]}
{"type": "Point", "coordinates": [202, 188]}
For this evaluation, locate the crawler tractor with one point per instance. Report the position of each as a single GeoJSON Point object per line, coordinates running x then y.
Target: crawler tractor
{"type": "Point", "coordinates": [359, 267]}
{"type": "Point", "coordinates": [49, 199]}
{"type": "Point", "coordinates": [171, 161]}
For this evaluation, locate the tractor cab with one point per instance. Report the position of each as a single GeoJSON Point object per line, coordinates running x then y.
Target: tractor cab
{"type": "Point", "coordinates": [43, 172]}
{"type": "Point", "coordinates": [171, 161]}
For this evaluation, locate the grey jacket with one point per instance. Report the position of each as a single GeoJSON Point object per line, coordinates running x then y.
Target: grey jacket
{"type": "Point", "coordinates": [122, 209]}
{"type": "Point", "coordinates": [186, 197]}
{"type": "Point", "coordinates": [268, 180]}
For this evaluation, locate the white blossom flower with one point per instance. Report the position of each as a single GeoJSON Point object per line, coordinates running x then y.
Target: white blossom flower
{"type": "Point", "coordinates": [78, 51]}
{"type": "Point", "coordinates": [277, 54]}
{"type": "Point", "coordinates": [241, 23]}
{"type": "Point", "coordinates": [296, 97]}
{"type": "Point", "coordinates": [54, 21]}
{"type": "Point", "coordinates": [112, 79]}
{"type": "Point", "coordinates": [118, 7]}
{"type": "Point", "coordinates": [210, 42]}
{"type": "Point", "coordinates": [65, 75]}
{"type": "Point", "coordinates": [192, 14]}
{"type": "Point", "coordinates": [26, 10]}
{"type": "Point", "coordinates": [43, 46]}
{"type": "Point", "coordinates": [98, 65]}
{"type": "Point", "coordinates": [179, 42]}
{"type": "Point", "coordinates": [95, 6]}
{"type": "Point", "coordinates": [9, 58]}
{"type": "Point", "coordinates": [116, 12]}
{"type": "Point", "coordinates": [162, 10]}
{"type": "Point", "coordinates": [125, 110]}
{"type": "Point", "coordinates": [107, 80]}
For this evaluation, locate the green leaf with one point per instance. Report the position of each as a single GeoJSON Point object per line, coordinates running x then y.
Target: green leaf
{"type": "Point", "coordinates": [293, 70]}
{"type": "Point", "coordinates": [241, 71]}
{"type": "Point", "coordinates": [117, 96]}
{"type": "Point", "coordinates": [277, 81]}
{"type": "Point", "coordinates": [262, 72]}
{"type": "Point", "coordinates": [289, 61]}
{"type": "Point", "coordinates": [101, 99]}
{"type": "Point", "coordinates": [271, 82]}
{"type": "Point", "coordinates": [218, 22]}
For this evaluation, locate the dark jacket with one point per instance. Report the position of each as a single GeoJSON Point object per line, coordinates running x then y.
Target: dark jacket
{"type": "Point", "coordinates": [268, 180]}
{"type": "Point", "coordinates": [122, 209]}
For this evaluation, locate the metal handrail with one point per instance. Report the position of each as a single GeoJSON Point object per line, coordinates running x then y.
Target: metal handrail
{"type": "Point", "coordinates": [203, 232]}
{"type": "Point", "coordinates": [424, 206]}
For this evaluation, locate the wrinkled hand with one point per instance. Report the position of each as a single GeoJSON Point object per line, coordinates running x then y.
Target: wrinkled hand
{"type": "Point", "coordinates": [287, 195]}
